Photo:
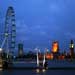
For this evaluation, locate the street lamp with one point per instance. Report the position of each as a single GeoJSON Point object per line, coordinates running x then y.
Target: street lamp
{"type": "Point", "coordinates": [1, 50]}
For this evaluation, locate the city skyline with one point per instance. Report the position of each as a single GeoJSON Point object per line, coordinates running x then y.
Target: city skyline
{"type": "Point", "coordinates": [37, 37]}
{"type": "Point", "coordinates": [40, 22]}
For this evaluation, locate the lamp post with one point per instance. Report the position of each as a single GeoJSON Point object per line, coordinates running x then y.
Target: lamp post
{"type": "Point", "coordinates": [1, 52]}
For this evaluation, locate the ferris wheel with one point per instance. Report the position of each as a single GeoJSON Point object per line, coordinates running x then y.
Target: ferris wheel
{"type": "Point", "coordinates": [10, 30]}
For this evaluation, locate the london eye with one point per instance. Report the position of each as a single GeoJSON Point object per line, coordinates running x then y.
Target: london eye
{"type": "Point", "coordinates": [10, 30]}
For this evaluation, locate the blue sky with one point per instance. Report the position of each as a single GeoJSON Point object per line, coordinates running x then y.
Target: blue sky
{"type": "Point", "coordinates": [39, 22]}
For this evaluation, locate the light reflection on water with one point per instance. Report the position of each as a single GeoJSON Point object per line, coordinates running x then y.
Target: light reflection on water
{"type": "Point", "coordinates": [33, 72]}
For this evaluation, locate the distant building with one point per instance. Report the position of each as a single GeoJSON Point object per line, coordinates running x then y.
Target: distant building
{"type": "Point", "coordinates": [49, 56]}
{"type": "Point", "coordinates": [55, 49]}
{"type": "Point", "coordinates": [72, 49]}
{"type": "Point", "coordinates": [20, 50]}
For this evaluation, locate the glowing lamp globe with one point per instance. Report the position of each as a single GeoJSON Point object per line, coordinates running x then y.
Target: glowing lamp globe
{"type": "Point", "coordinates": [0, 49]}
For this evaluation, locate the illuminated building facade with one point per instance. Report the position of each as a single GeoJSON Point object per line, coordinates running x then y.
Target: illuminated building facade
{"type": "Point", "coordinates": [49, 56]}
{"type": "Point", "coordinates": [55, 49]}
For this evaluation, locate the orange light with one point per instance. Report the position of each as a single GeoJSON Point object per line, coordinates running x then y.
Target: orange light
{"type": "Point", "coordinates": [55, 47]}
{"type": "Point", "coordinates": [62, 57]}
{"type": "Point", "coordinates": [49, 56]}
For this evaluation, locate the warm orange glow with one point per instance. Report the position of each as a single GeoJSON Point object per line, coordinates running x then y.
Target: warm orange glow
{"type": "Point", "coordinates": [55, 47]}
{"type": "Point", "coordinates": [49, 56]}
{"type": "Point", "coordinates": [61, 57]}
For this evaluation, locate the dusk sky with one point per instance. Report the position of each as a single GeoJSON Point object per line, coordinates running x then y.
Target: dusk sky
{"type": "Point", "coordinates": [39, 22]}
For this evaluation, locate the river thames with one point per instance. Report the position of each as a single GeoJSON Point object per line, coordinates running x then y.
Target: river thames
{"type": "Point", "coordinates": [33, 72]}
{"type": "Point", "coordinates": [54, 68]}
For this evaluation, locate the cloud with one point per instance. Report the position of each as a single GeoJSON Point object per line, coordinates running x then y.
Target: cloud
{"type": "Point", "coordinates": [70, 35]}
{"type": "Point", "coordinates": [22, 27]}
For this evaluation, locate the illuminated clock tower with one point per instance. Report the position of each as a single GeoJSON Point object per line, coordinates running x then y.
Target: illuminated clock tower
{"type": "Point", "coordinates": [72, 49]}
